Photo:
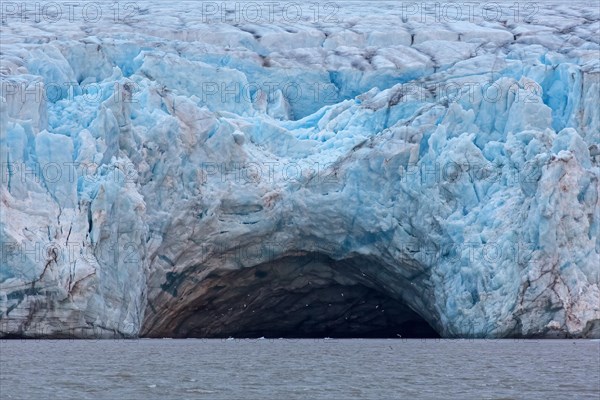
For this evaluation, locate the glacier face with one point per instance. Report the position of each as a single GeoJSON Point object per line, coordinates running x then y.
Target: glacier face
{"type": "Point", "coordinates": [183, 172]}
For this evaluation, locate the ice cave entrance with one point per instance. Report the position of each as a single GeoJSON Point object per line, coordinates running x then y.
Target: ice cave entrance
{"type": "Point", "coordinates": [308, 296]}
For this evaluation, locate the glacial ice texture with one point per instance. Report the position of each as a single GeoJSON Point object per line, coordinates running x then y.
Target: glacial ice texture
{"type": "Point", "coordinates": [185, 172]}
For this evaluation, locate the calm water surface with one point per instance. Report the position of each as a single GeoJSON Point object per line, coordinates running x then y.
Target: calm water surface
{"type": "Point", "coordinates": [300, 369]}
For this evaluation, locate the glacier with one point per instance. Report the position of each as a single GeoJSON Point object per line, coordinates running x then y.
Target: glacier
{"type": "Point", "coordinates": [183, 172]}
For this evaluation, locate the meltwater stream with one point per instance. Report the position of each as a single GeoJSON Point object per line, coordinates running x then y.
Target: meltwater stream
{"type": "Point", "coordinates": [300, 369]}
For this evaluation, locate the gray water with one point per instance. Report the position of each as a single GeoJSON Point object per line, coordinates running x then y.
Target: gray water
{"type": "Point", "coordinates": [299, 369]}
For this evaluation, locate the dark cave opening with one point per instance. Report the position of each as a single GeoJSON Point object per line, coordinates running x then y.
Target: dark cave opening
{"type": "Point", "coordinates": [293, 297]}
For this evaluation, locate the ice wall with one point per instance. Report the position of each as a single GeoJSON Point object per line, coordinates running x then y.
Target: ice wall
{"type": "Point", "coordinates": [458, 160]}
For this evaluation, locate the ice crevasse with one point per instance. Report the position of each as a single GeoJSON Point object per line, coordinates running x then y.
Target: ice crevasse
{"type": "Point", "coordinates": [236, 179]}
